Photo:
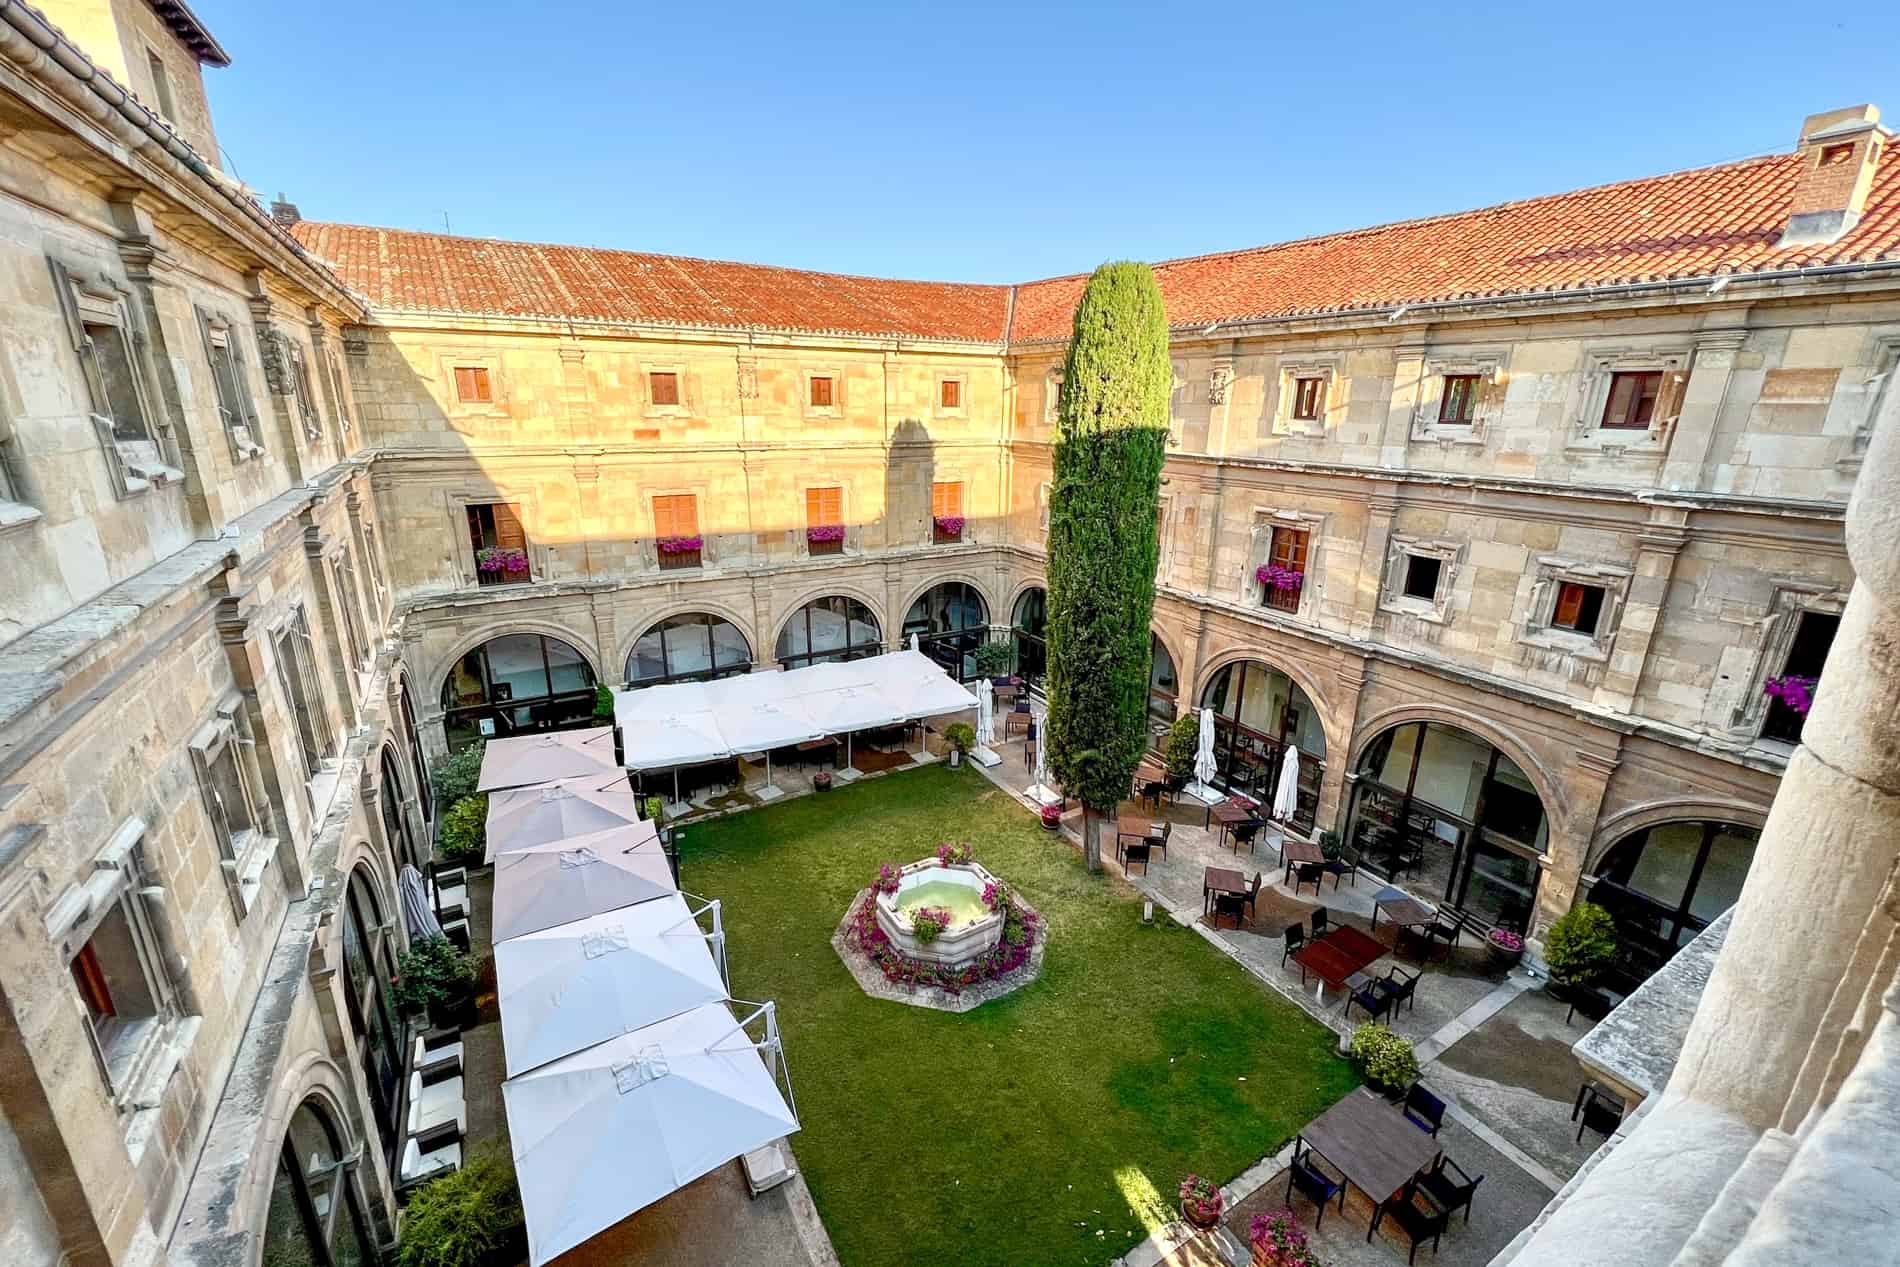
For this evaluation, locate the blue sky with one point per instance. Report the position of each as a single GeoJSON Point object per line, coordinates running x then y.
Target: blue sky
{"type": "Point", "coordinates": [1000, 142]}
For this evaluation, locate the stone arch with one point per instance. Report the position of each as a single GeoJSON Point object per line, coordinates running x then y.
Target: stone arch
{"type": "Point", "coordinates": [983, 592]}
{"type": "Point", "coordinates": [1298, 673]}
{"type": "Point", "coordinates": [1625, 823]}
{"type": "Point", "coordinates": [848, 589]}
{"type": "Point", "coordinates": [1549, 788]}
{"type": "Point", "coordinates": [1017, 591]}
{"type": "Point", "coordinates": [312, 1076]}
{"type": "Point", "coordinates": [745, 624]}
{"type": "Point", "coordinates": [582, 643]}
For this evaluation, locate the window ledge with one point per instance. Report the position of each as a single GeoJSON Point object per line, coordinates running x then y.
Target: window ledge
{"type": "Point", "coordinates": [1646, 445]}
{"type": "Point", "coordinates": [1418, 607]}
{"type": "Point", "coordinates": [244, 875]}
{"type": "Point", "coordinates": [17, 515]}
{"type": "Point", "coordinates": [153, 473]}
{"type": "Point", "coordinates": [1581, 646]}
{"type": "Point", "coordinates": [146, 1098]}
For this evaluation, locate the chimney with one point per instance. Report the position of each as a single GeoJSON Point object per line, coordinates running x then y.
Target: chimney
{"type": "Point", "coordinates": [1839, 151]}
{"type": "Point", "coordinates": [284, 213]}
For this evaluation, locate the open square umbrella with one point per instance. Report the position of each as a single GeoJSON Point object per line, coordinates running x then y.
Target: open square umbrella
{"type": "Point", "coordinates": [566, 988]}
{"type": "Point", "coordinates": [521, 760]}
{"type": "Point", "coordinates": [565, 880]}
{"type": "Point", "coordinates": [520, 818]}
{"type": "Point", "coordinates": [612, 1129]}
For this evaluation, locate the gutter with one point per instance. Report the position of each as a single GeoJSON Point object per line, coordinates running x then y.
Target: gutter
{"type": "Point", "coordinates": [35, 44]}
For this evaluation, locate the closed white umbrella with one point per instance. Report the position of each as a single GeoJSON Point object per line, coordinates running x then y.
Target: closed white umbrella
{"type": "Point", "coordinates": [417, 913]}
{"type": "Point", "coordinates": [568, 880]}
{"type": "Point", "coordinates": [566, 988]}
{"type": "Point", "coordinates": [1286, 797]}
{"type": "Point", "coordinates": [612, 1129]}
{"type": "Point", "coordinates": [520, 818]}
{"type": "Point", "coordinates": [1204, 767]}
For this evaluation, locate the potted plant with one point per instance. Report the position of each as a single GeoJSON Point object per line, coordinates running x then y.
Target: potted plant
{"type": "Point", "coordinates": [961, 739]}
{"type": "Point", "coordinates": [1579, 947]}
{"type": "Point", "coordinates": [1182, 745]}
{"type": "Point", "coordinates": [1506, 947]}
{"type": "Point", "coordinates": [1384, 1059]}
{"type": "Point", "coordinates": [456, 775]}
{"type": "Point", "coordinates": [821, 781]}
{"type": "Point", "coordinates": [465, 832]}
{"type": "Point", "coordinates": [470, 1217]}
{"type": "Point", "coordinates": [654, 808]}
{"type": "Point", "coordinates": [1277, 1240]}
{"type": "Point", "coordinates": [1330, 846]}
{"type": "Point", "coordinates": [992, 661]}
{"type": "Point", "coordinates": [435, 977]}
{"type": "Point", "coordinates": [1201, 1201]}
{"type": "Point", "coordinates": [1052, 815]}
{"type": "Point", "coordinates": [603, 703]}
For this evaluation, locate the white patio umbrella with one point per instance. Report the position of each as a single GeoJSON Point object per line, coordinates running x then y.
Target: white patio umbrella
{"type": "Point", "coordinates": [520, 818]}
{"type": "Point", "coordinates": [612, 1129]}
{"type": "Point", "coordinates": [565, 988]}
{"type": "Point", "coordinates": [521, 760]}
{"type": "Point", "coordinates": [986, 714]}
{"type": "Point", "coordinates": [1204, 767]}
{"type": "Point", "coordinates": [1286, 796]}
{"type": "Point", "coordinates": [416, 910]}
{"type": "Point", "coordinates": [583, 876]}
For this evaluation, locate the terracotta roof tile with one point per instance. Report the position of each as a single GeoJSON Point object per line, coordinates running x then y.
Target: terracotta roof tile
{"type": "Point", "coordinates": [1686, 224]}
{"type": "Point", "coordinates": [397, 270]}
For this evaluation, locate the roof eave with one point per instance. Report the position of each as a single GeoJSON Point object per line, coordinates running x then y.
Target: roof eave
{"type": "Point", "coordinates": [191, 32]}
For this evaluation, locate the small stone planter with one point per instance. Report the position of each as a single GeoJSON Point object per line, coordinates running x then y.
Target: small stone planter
{"type": "Point", "coordinates": [821, 782]}
{"type": "Point", "coordinates": [1052, 817]}
{"type": "Point", "coordinates": [1204, 1216]}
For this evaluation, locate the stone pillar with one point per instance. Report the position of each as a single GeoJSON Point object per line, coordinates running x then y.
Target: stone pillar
{"type": "Point", "coordinates": [330, 612]}
{"type": "Point", "coordinates": [1657, 546]}
{"type": "Point", "coordinates": [1381, 509]}
{"type": "Point", "coordinates": [1350, 684]}
{"type": "Point", "coordinates": [1693, 433]}
{"type": "Point", "coordinates": [1588, 778]}
{"type": "Point", "coordinates": [1408, 377]}
{"type": "Point", "coordinates": [290, 438]}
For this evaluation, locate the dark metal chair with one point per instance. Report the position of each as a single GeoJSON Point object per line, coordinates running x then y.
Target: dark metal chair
{"type": "Point", "coordinates": [1399, 985]}
{"type": "Point", "coordinates": [1321, 921]}
{"type": "Point", "coordinates": [1307, 873]}
{"type": "Point", "coordinates": [1244, 833]}
{"type": "Point", "coordinates": [1152, 791]}
{"type": "Point", "coordinates": [1130, 852]}
{"type": "Point", "coordinates": [1234, 904]}
{"type": "Point", "coordinates": [1417, 1216]}
{"type": "Point", "coordinates": [1347, 865]}
{"type": "Point", "coordinates": [1442, 929]}
{"type": "Point", "coordinates": [1449, 1186]}
{"type": "Point", "coordinates": [1295, 938]}
{"type": "Point", "coordinates": [1374, 1002]}
{"type": "Point", "coordinates": [1253, 891]}
{"type": "Point", "coordinates": [1161, 842]}
{"type": "Point", "coordinates": [1177, 784]}
{"type": "Point", "coordinates": [1602, 1113]}
{"type": "Point", "coordinates": [1423, 1109]}
{"type": "Point", "coordinates": [1313, 1183]}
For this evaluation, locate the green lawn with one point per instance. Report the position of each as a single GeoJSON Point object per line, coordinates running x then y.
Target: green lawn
{"type": "Point", "coordinates": [1051, 1126]}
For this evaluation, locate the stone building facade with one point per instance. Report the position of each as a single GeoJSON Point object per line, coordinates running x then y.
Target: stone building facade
{"type": "Point", "coordinates": [1503, 521]}
{"type": "Point", "coordinates": [205, 783]}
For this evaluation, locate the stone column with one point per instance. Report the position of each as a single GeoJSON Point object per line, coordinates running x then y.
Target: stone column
{"type": "Point", "coordinates": [1408, 376]}
{"type": "Point", "coordinates": [1381, 509]}
{"type": "Point", "coordinates": [1349, 685]}
{"type": "Point", "coordinates": [1587, 779]}
{"type": "Point", "coordinates": [290, 439]}
{"type": "Point", "coordinates": [316, 546]}
{"type": "Point", "coordinates": [1657, 546]}
{"type": "Point", "coordinates": [1693, 434]}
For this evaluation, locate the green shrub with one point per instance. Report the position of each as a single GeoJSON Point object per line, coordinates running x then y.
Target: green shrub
{"type": "Point", "coordinates": [1383, 1057]}
{"type": "Point", "coordinates": [455, 776]}
{"type": "Point", "coordinates": [461, 1219]}
{"type": "Point", "coordinates": [1329, 846]}
{"type": "Point", "coordinates": [1580, 945]}
{"type": "Point", "coordinates": [603, 703]}
{"type": "Point", "coordinates": [959, 736]}
{"type": "Point", "coordinates": [1183, 742]}
{"type": "Point", "coordinates": [432, 971]}
{"type": "Point", "coordinates": [465, 832]}
{"type": "Point", "coordinates": [992, 659]}
{"type": "Point", "coordinates": [655, 809]}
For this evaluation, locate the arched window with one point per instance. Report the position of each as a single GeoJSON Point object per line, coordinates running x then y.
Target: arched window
{"type": "Point", "coordinates": [425, 794]}
{"type": "Point", "coordinates": [1258, 712]}
{"type": "Point", "coordinates": [516, 684]}
{"type": "Point", "coordinates": [690, 647]}
{"type": "Point", "coordinates": [395, 822]}
{"type": "Point", "coordinates": [831, 628]}
{"type": "Point", "coordinates": [314, 1219]}
{"type": "Point", "coordinates": [1664, 884]}
{"type": "Point", "coordinates": [1028, 624]}
{"type": "Point", "coordinates": [1441, 804]}
{"type": "Point", "coordinates": [951, 621]}
{"type": "Point", "coordinates": [368, 964]}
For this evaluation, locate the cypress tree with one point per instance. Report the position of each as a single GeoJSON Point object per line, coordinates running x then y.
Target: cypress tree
{"type": "Point", "coordinates": [1111, 439]}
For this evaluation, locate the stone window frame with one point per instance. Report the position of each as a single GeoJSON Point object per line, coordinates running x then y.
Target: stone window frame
{"type": "Point", "coordinates": [648, 406]}
{"type": "Point", "coordinates": [1791, 599]}
{"type": "Point", "coordinates": [805, 484]}
{"type": "Point", "coordinates": [302, 394]}
{"type": "Point", "coordinates": [836, 408]}
{"type": "Point", "coordinates": [1051, 394]}
{"type": "Point", "coordinates": [1592, 394]}
{"type": "Point", "coordinates": [1044, 491]}
{"type": "Point", "coordinates": [453, 406]}
{"type": "Point", "coordinates": [503, 494]}
{"type": "Point", "coordinates": [92, 297]}
{"type": "Point", "coordinates": [119, 883]}
{"type": "Point", "coordinates": [348, 589]}
{"type": "Point", "coordinates": [1551, 574]}
{"type": "Point", "coordinates": [1327, 368]}
{"type": "Point", "coordinates": [1400, 549]}
{"type": "Point", "coordinates": [1180, 395]}
{"type": "Point", "coordinates": [1881, 388]}
{"type": "Point", "coordinates": [938, 409]}
{"type": "Point", "coordinates": [242, 856]}
{"type": "Point", "coordinates": [239, 415]}
{"type": "Point", "coordinates": [701, 498]}
{"type": "Point", "coordinates": [1260, 547]}
{"type": "Point", "coordinates": [299, 670]}
{"type": "Point", "coordinates": [1490, 365]}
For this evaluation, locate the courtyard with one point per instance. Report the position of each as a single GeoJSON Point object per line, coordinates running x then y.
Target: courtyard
{"type": "Point", "coordinates": [1049, 1126]}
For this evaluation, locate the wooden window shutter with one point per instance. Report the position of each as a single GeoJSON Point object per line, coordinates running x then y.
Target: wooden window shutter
{"type": "Point", "coordinates": [676, 515]}
{"type": "Point", "coordinates": [508, 532]}
{"type": "Point", "coordinates": [1569, 605]}
{"type": "Point", "coordinates": [946, 500]}
{"type": "Point", "coordinates": [663, 517]}
{"type": "Point", "coordinates": [91, 979]}
{"type": "Point", "coordinates": [687, 516]}
{"type": "Point", "coordinates": [824, 507]}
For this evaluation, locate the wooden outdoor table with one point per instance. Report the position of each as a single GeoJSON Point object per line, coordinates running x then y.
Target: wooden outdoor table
{"type": "Point", "coordinates": [1371, 1143]}
{"type": "Point", "coordinates": [1407, 912]}
{"type": "Point", "coordinates": [1294, 852]}
{"type": "Point", "coordinates": [1220, 880]}
{"type": "Point", "coordinates": [1230, 816]}
{"type": "Point", "coordinates": [1338, 958]}
{"type": "Point", "coordinates": [1236, 802]}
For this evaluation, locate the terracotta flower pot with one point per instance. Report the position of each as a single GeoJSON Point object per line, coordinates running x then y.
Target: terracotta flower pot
{"type": "Point", "coordinates": [821, 782]}
{"type": "Point", "coordinates": [1052, 816]}
{"type": "Point", "coordinates": [1203, 1215]}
